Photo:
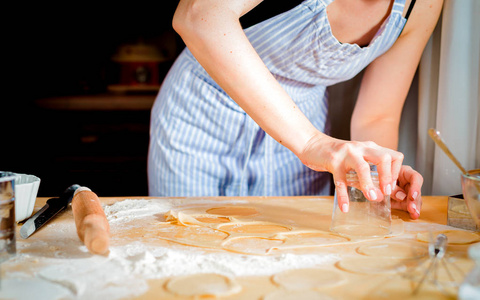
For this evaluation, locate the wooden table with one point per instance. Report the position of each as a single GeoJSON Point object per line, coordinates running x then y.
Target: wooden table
{"type": "Point", "coordinates": [43, 248]}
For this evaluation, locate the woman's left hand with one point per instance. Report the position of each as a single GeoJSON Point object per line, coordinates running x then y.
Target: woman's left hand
{"type": "Point", "coordinates": [406, 195]}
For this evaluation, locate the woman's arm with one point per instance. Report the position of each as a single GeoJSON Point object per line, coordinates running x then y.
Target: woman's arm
{"type": "Point", "coordinates": [385, 85]}
{"type": "Point", "coordinates": [212, 31]}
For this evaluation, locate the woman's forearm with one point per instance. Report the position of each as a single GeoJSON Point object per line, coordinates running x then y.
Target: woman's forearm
{"type": "Point", "coordinates": [383, 132]}
{"type": "Point", "coordinates": [215, 37]}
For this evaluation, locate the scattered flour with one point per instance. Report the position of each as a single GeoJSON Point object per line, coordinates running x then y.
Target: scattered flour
{"type": "Point", "coordinates": [125, 271]}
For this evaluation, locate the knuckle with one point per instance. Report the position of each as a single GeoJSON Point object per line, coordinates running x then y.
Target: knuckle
{"type": "Point", "coordinates": [386, 159]}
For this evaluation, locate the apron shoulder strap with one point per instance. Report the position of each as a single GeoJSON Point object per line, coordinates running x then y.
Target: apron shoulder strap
{"type": "Point", "coordinates": [267, 9]}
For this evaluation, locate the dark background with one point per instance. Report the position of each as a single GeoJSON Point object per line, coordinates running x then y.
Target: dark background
{"type": "Point", "coordinates": [63, 51]}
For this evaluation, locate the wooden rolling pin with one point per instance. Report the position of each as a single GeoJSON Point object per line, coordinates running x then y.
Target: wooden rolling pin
{"type": "Point", "coordinates": [91, 222]}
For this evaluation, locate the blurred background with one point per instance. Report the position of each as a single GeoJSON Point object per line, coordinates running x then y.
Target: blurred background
{"type": "Point", "coordinates": [84, 81]}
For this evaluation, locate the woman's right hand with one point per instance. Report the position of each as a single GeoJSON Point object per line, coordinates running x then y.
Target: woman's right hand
{"type": "Point", "coordinates": [324, 153]}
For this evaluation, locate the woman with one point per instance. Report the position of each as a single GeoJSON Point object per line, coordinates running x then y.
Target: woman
{"type": "Point", "coordinates": [244, 111]}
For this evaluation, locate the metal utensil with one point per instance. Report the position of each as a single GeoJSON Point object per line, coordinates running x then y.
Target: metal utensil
{"type": "Point", "coordinates": [437, 249]}
{"type": "Point", "coordinates": [48, 211]}
{"type": "Point", "coordinates": [437, 138]}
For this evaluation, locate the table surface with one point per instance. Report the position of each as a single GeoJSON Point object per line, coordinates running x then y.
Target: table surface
{"type": "Point", "coordinates": [40, 246]}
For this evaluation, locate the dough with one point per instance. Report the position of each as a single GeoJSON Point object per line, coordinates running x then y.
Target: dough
{"type": "Point", "coordinates": [180, 218]}
{"type": "Point", "coordinates": [297, 295]}
{"type": "Point", "coordinates": [251, 245]}
{"type": "Point", "coordinates": [254, 227]}
{"type": "Point", "coordinates": [398, 288]}
{"type": "Point", "coordinates": [203, 285]}
{"type": "Point", "coordinates": [304, 239]}
{"type": "Point", "coordinates": [454, 237]}
{"type": "Point", "coordinates": [371, 265]}
{"type": "Point", "coordinates": [212, 219]}
{"type": "Point", "coordinates": [305, 279]}
{"type": "Point", "coordinates": [233, 211]}
{"type": "Point", "coordinates": [395, 250]}
{"type": "Point", "coordinates": [362, 231]}
{"type": "Point", "coordinates": [218, 228]}
{"type": "Point", "coordinates": [447, 272]}
{"type": "Point", "coordinates": [190, 235]}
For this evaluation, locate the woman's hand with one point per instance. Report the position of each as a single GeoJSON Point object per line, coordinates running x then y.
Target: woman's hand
{"type": "Point", "coordinates": [324, 153]}
{"type": "Point", "coordinates": [407, 194]}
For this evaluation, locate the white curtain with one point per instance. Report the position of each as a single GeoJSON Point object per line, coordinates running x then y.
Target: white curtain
{"type": "Point", "coordinates": [449, 97]}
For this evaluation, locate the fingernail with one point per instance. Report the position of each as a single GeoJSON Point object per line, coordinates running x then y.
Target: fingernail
{"type": "Point", "coordinates": [345, 207]}
{"type": "Point", "coordinates": [400, 195]}
{"type": "Point", "coordinates": [415, 208]}
{"type": "Point", "coordinates": [388, 189]}
{"type": "Point", "coordinates": [414, 196]}
{"type": "Point", "coordinates": [372, 194]}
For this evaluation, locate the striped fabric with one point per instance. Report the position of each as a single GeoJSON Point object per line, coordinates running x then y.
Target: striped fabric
{"type": "Point", "coordinates": [203, 144]}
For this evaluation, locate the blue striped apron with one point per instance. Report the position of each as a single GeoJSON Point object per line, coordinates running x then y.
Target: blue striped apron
{"type": "Point", "coordinates": [203, 144]}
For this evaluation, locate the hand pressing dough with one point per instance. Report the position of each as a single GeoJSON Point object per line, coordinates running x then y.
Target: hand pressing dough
{"type": "Point", "coordinates": [371, 265]}
{"type": "Point", "coordinates": [307, 279]}
{"type": "Point", "coordinates": [454, 237]}
{"type": "Point", "coordinates": [297, 295]}
{"type": "Point", "coordinates": [203, 285]}
{"type": "Point", "coordinates": [394, 250]}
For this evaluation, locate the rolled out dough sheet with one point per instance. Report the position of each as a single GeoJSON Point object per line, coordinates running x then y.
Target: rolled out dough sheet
{"type": "Point", "coordinates": [203, 285]}
{"type": "Point", "coordinates": [371, 265]}
{"type": "Point", "coordinates": [306, 279]}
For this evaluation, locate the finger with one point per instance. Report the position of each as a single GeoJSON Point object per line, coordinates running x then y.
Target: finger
{"type": "Point", "coordinates": [397, 161]}
{"type": "Point", "coordinates": [383, 159]}
{"type": "Point", "coordinates": [384, 169]}
{"type": "Point", "coordinates": [398, 194]}
{"type": "Point", "coordinates": [413, 179]}
{"type": "Point", "coordinates": [362, 168]}
{"type": "Point", "coordinates": [341, 191]}
{"type": "Point", "coordinates": [405, 205]}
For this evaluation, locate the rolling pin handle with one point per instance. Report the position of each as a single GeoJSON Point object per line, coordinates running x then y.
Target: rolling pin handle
{"type": "Point", "coordinates": [92, 224]}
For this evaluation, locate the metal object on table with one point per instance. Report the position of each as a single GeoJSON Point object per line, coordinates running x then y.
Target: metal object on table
{"type": "Point", "coordinates": [48, 211]}
{"type": "Point", "coordinates": [7, 215]}
{"type": "Point", "coordinates": [458, 214]}
{"type": "Point", "coordinates": [436, 260]}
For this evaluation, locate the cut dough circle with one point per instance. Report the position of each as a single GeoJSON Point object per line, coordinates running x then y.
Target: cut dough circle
{"type": "Point", "coordinates": [371, 265]}
{"type": "Point", "coordinates": [203, 285]}
{"type": "Point", "coordinates": [297, 295]}
{"type": "Point", "coordinates": [454, 237]}
{"type": "Point", "coordinates": [254, 228]}
{"type": "Point", "coordinates": [302, 239]}
{"type": "Point", "coordinates": [213, 220]}
{"type": "Point", "coordinates": [233, 211]}
{"type": "Point", "coordinates": [305, 279]}
{"type": "Point", "coordinates": [394, 250]}
{"type": "Point", "coordinates": [251, 245]}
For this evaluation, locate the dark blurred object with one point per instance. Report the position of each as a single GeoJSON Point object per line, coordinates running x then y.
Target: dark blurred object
{"type": "Point", "coordinates": [141, 67]}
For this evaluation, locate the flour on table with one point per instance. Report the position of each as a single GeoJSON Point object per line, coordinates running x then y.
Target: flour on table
{"type": "Point", "coordinates": [70, 272]}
